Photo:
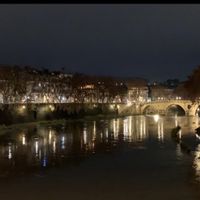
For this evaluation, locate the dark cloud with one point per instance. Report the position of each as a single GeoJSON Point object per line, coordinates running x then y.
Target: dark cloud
{"type": "Point", "coordinates": [153, 41]}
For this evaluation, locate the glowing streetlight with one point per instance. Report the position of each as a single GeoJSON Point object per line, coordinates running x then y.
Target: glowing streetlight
{"type": "Point", "coordinates": [112, 106]}
{"type": "Point", "coordinates": [156, 118]}
{"type": "Point", "coordinates": [129, 103]}
{"type": "Point", "coordinates": [51, 107]}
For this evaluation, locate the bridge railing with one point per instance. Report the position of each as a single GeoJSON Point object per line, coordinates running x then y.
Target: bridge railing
{"type": "Point", "coordinates": [170, 100]}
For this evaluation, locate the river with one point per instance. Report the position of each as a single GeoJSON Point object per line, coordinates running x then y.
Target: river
{"type": "Point", "coordinates": [133, 157]}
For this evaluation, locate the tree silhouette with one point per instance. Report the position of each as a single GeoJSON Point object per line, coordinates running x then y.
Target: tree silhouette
{"type": "Point", "coordinates": [13, 81]}
{"type": "Point", "coordinates": [192, 84]}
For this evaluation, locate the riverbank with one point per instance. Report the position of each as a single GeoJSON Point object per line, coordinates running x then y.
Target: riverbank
{"type": "Point", "coordinates": [25, 113]}
{"type": "Point", "coordinates": [19, 126]}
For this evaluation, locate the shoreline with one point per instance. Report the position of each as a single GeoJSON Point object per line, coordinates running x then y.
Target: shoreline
{"type": "Point", "coordinates": [18, 126]}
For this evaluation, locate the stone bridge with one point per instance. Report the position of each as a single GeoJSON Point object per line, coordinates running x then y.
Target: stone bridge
{"type": "Point", "coordinates": [186, 107]}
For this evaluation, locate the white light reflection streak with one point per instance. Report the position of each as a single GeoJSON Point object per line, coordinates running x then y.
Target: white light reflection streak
{"type": "Point", "coordinates": [106, 130]}
{"type": "Point", "coordinates": [36, 148]}
{"type": "Point", "coordinates": [116, 127]}
{"type": "Point", "coordinates": [50, 136]}
{"type": "Point", "coordinates": [142, 125]}
{"type": "Point", "coordinates": [94, 131]}
{"type": "Point", "coordinates": [23, 140]}
{"type": "Point", "coordinates": [160, 130]}
{"type": "Point", "coordinates": [54, 145]}
{"type": "Point", "coordinates": [176, 120]}
{"type": "Point", "coordinates": [197, 162]}
{"type": "Point", "coordinates": [130, 126]}
{"type": "Point", "coordinates": [44, 162]}
{"type": "Point", "coordinates": [141, 130]}
{"type": "Point", "coordinates": [9, 151]}
{"type": "Point", "coordinates": [156, 118]}
{"type": "Point", "coordinates": [63, 142]}
{"type": "Point", "coordinates": [84, 135]}
{"type": "Point", "coordinates": [125, 127]}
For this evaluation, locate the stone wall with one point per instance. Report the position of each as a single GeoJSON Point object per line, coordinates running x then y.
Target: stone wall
{"type": "Point", "coordinates": [19, 113]}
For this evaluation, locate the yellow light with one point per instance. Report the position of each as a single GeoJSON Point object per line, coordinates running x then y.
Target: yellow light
{"type": "Point", "coordinates": [36, 147]}
{"type": "Point", "coordinates": [21, 109]}
{"type": "Point", "coordinates": [51, 107]}
{"type": "Point", "coordinates": [156, 118]}
{"type": "Point", "coordinates": [111, 106]}
{"type": "Point", "coordinates": [54, 146]}
{"type": "Point", "coordinates": [85, 135]}
{"type": "Point", "coordinates": [23, 140]}
{"type": "Point", "coordinates": [196, 162]}
{"type": "Point", "coordinates": [50, 136]}
{"type": "Point", "coordinates": [129, 103]}
{"type": "Point", "coordinates": [94, 130]}
{"type": "Point", "coordinates": [9, 151]}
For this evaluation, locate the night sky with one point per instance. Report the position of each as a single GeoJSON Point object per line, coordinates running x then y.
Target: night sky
{"type": "Point", "coordinates": [156, 42]}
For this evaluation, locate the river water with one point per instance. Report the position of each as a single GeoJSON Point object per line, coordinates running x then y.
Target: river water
{"type": "Point", "coordinates": [132, 157]}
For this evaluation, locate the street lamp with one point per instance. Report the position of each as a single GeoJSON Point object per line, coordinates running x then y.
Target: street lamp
{"type": "Point", "coordinates": [156, 118]}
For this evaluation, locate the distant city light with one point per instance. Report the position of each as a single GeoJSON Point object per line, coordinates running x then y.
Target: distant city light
{"type": "Point", "coordinates": [63, 98]}
{"type": "Point", "coordinates": [129, 103]}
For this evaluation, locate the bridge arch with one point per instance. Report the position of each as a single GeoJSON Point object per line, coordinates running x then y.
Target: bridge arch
{"type": "Point", "coordinates": [149, 109]}
{"type": "Point", "coordinates": [175, 109]}
{"type": "Point", "coordinates": [196, 110]}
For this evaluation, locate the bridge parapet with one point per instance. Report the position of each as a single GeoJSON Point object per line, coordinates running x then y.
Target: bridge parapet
{"type": "Point", "coordinates": [170, 101]}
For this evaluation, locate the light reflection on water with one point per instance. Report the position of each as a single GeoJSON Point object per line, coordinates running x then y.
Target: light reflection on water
{"type": "Point", "coordinates": [196, 163]}
{"type": "Point", "coordinates": [42, 147]}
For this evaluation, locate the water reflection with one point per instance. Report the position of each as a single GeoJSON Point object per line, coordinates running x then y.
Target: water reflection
{"type": "Point", "coordinates": [176, 121]}
{"type": "Point", "coordinates": [134, 129]}
{"type": "Point", "coordinates": [160, 130]}
{"type": "Point", "coordinates": [196, 163]}
{"type": "Point", "coordinates": [23, 139]}
{"type": "Point", "coordinates": [63, 142]}
{"type": "Point", "coordinates": [115, 128]}
{"type": "Point", "coordinates": [49, 146]}
{"type": "Point", "coordinates": [10, 151]}
{"type": "Point", "coordinates": [36, 148]}
{"type": "Point", "coordinates": [178, 151]}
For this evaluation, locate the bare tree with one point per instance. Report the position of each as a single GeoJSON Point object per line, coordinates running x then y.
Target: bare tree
{"type": "Point", "coordinates": [12, 83]}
